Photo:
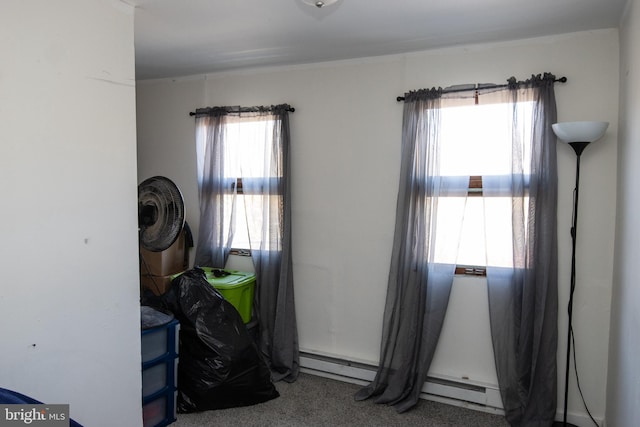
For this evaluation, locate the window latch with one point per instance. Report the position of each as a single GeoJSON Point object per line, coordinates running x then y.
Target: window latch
{"type": "Point", "coordinates": [472, 271]}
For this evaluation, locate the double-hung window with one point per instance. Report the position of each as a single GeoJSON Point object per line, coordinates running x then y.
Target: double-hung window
{"type": "Point", "coordinates": [247, 160]}
{"type": "Point", "coordinates": [476, 141]}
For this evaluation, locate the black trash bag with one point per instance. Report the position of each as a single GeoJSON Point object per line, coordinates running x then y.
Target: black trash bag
{"type": "Point", "coordinates": [219, 364]}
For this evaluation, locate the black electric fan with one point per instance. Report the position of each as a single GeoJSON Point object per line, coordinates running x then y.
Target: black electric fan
{"type": "Point", "coordinates": [160, 213]}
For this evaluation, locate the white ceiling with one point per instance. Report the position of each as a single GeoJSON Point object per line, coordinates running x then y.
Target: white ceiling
{"type": "Point", "coordinates": [187, 37]}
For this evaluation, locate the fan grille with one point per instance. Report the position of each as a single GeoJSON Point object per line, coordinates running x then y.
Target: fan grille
{"type": "Point", "coordinates": [160, 213]}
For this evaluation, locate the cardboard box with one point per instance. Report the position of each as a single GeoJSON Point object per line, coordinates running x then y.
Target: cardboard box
{"type": "Point", "coordinates": [174, 259]}
{"type": "Point", "coordinates": [157, 284]}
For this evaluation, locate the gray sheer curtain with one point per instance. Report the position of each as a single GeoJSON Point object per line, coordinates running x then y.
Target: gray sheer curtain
{"type": "Point", "coordinates": [216, 191]}
{"type": "Point", "coordinates": [271, 248]}
{"type": "Point", "coordinates": [523, 299]}
{"type": "Point", "coordinates": [266, 201]}
{"type": "Point", "coordinates": [419, 284]}
{"type": "Point", "coordinates": [522, 284]}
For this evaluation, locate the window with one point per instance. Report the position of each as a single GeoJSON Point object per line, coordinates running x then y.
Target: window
{"type": "Point", "coordinates": [476, 142]}
{"type": "Point", "coordinates": [248, 151]}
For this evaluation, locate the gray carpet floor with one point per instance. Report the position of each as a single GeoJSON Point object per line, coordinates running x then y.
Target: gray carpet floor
{"type": "Point", "coordinates": [316, 401]}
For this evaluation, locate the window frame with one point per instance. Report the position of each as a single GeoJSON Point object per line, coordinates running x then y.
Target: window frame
{"type": "Point", "coordinates": [237, 186]}
{"type": "Point", "coordinates": [475, 189]}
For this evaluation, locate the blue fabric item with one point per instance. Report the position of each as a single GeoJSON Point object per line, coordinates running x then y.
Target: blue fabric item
{"type": "Point", "coordinates": [9, 397]}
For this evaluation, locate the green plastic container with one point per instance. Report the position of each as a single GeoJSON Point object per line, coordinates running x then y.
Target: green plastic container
{"type": "Point", "coordinates": [237, 287]}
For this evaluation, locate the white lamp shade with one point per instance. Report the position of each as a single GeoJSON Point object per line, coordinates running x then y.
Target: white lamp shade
{"type": "Point", "coordinates": [580, 131]}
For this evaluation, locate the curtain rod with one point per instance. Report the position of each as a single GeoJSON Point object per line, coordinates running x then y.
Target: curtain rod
{"type": "Point", "coordinates": [560, 80]}
{"type": "Point", "coordinates": [248, 110]}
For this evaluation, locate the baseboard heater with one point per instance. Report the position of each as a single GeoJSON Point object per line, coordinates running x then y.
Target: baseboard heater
{"type": "Point", "coordinates": [454, 391]}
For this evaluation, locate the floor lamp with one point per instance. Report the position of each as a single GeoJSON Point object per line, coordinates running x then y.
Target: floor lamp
{"type": "Point", "coordinates": [578, 135]}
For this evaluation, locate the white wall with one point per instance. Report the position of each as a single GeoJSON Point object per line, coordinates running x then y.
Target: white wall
{"type": "Point", "coordinates": [623, 391]}
{"type": "Point", "coordinates": [345, 166]}
{"type": "Point", "coordinates": [69, 310]}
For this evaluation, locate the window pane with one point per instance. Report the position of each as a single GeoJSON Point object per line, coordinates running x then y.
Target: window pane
{"type": "Point", "coordinates": [249, 147]}
{"type": "Point", "coordinates": [499, 242]}
{"type": "Point", "coordinates": [476, 139]}
{"type": "Point", "coordinates": [472, 250]}
{"type": "Point", "coordinates": [247, 220]}
{"type": "Point", "coordinates": [449, 217]}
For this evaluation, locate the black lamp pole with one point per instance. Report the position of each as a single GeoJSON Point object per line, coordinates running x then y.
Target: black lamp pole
{"type": "Point", "coordinates": [578, 147]}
